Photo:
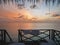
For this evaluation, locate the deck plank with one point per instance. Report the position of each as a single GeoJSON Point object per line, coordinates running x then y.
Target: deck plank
{"type": "Point", "coordinates": [50, 42]}
{"type": "Point", "coordinates": [17, 44]}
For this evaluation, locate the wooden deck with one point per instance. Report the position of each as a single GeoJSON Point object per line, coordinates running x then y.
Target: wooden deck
{"type": "Point", "coordinates": [32, 37]}
{"type": "Point", "coordinates": [50, 42]}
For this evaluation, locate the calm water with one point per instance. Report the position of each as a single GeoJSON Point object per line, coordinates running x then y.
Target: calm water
{"type": "Point", "coordinates": [13, 27]}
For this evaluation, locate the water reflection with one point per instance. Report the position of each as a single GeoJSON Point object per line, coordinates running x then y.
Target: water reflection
{"type": "Point", "coordinates": [25, 25]}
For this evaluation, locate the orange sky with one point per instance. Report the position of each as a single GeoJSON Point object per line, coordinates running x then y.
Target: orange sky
{"type": "Point", "coordinates": [25, 16]}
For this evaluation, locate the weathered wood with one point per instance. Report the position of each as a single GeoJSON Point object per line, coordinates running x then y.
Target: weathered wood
{"type": "Point", "coordinates": [56, 37]}
{"type": "Point", "coordinates": [34, 35]}
{"type": "Point", "coordinates": [51, 34]}
{"type": "Point", "coordinates": [3, 36]}
{"type": "Point", "coordinates": [19, 36]}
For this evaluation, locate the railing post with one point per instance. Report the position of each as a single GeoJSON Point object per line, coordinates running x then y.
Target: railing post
{"type": "Point", "coordinates": [8, 36]}
{"type": "Point", "coordinates": [49, 35]}
{"type": "Point", "coordinates": [4, 36]}
{"type": "Point", "coordinates": [52, 34]}
{"type": "Point", "coordinates": [19, 36]}
{"type": "Point", "coordinates": [1, 36]}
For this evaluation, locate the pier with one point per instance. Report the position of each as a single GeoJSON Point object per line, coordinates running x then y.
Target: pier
{"type": "Point", "coordinates": [32, 37]}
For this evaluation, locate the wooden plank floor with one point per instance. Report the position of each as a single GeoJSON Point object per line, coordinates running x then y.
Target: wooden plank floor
{"type": "Point", "coordinates": [50, 42]}
{"type": "Point", "coordinates": [17, 44]}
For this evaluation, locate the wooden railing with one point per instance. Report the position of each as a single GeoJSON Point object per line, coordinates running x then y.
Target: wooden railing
{"type": "Point", "coordinates": [46, 33]}
{"type": "Point", "coordinates": [3, 36]}
{"type": "Point", "coordinates": [31, 35]}
{"type": "Point", "coordinates": [39, 34]}
{"type": "Point", "coordinates": [56, 36]}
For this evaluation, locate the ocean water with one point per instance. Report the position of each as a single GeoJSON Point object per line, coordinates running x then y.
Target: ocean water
{"type": "Point", "coordinates": [12, 28]}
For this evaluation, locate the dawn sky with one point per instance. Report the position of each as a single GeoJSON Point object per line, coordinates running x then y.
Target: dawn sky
{"type": "Point", "coordinates": [41, 13]}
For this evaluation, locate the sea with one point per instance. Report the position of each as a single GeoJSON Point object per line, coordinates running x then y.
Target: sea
{"type": "Point", "coordinates": [12, 28]}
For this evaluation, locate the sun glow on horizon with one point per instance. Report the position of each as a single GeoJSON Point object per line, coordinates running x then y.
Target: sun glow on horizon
{"type": "Point", "coordinates": [11, 12]}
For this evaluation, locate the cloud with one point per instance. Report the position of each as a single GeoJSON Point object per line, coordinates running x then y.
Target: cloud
{"type": "Point", "coordinates": [34, 18]}
{"type": "Point", "coordinates": [24, 16]}
{"type": "Point", "coordinates": [7, 15]}
{"type": "Point", "coordinates": [21, 16]}
{"type": "Point", "coordinates": [56, 15]}
{"type": "Point", "coordinates": [4, 20]}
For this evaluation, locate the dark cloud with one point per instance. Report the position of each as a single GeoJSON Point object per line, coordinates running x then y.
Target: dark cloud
{"type": "Point", "coordinates": [55, 15]}
{"type": "Point", "coordinates": [21, 16]}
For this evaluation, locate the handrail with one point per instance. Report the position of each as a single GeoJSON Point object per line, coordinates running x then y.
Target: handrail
{"type": "Point", "coordinates": [45, 30]}
{"type": "Point", "coordinates": [4, 35]}
{"type": "Point", "coordinates": [8, 36]}
{"type": "Point", "coordinates": [50, 33]}
{"type": "Point", "coordinates": [56, 37]}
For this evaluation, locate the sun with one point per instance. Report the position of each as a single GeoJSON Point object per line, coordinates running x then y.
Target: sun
{"type": "Point", "coordinates": [26, 13]}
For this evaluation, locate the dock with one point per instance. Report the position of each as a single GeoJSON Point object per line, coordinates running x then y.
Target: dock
{"type": "Point", "coordinates": [31, 37]}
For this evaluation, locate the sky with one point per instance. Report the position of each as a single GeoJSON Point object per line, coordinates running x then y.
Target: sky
{"type": "Point", "coordinates": [41, 13]}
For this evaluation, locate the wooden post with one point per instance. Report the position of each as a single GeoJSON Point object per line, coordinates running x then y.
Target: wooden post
{"type": "Point", "coordinates": [8, 36]}
{"type": "Point", "coordinates": [49, 35]}
{"type": "Point", "coordinates": [4, 36]}
{"type": "Point", "coordinates": [1, 36]}
{"type": "Point", "coordinates": [52, 34]}
{"type": "Point", "coordinates": [19, 36]}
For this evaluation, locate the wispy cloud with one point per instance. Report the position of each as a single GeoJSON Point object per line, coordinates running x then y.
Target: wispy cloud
{"type": "Point", "coordinates": [5, 20]}
{"type": "Point", "coordinates": [55, 15]}
{"type": "Point", "coordinates": [24, 15]}
{"type": "Point", "coordinates": [21, 16]}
